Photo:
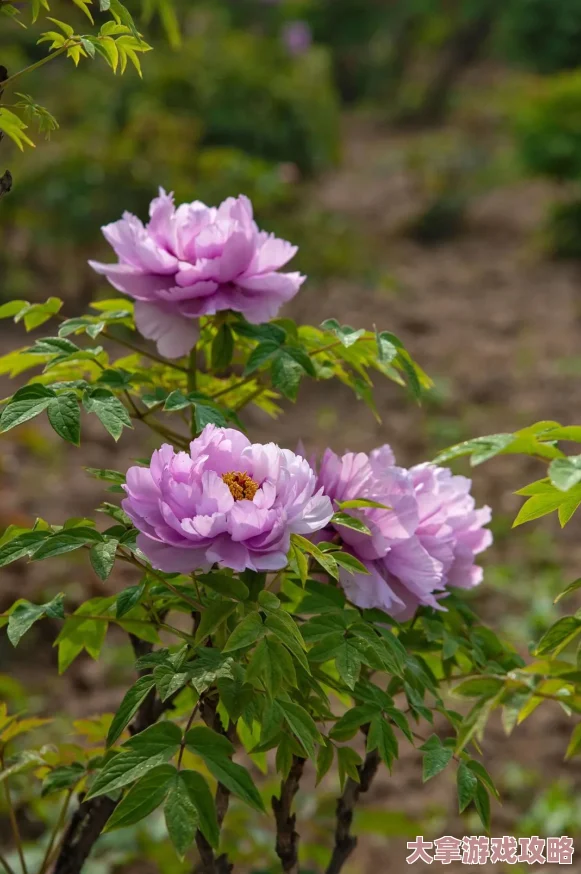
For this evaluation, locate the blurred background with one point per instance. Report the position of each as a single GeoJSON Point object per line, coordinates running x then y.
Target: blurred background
{"type": "Point", "coordinates": [426, 158]}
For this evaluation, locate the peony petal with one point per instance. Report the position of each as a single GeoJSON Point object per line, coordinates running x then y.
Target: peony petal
{"type": "Point", "coordinates": [174, 335]}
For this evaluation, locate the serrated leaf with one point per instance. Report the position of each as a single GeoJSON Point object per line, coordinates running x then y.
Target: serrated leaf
{"type": "Point", "coordinates": [65, 417]}
{"type": "Point", "coordinates": [108, 409]}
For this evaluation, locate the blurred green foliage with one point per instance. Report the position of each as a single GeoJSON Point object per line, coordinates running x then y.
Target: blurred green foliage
{"type": "Point", "coordinates": [548, 127]}
{"type": "Point", "coordinates": [544, 35]}
{"type": "Point", "coordinates": [229, 111]}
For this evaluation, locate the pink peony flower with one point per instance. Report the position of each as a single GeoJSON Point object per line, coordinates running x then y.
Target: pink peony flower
{"type": "Point", "coordinates": [425, 543]}
{"type": "Point", "coordinates": [194, 261]}
{"type": "Point", "coordinates": [228, 501]}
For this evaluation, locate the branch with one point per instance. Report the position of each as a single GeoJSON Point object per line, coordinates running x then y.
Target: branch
{"type": "Point", "coordinates": [287, 839]}
{"type": "Point", "coordinates": [89, 819]}
{"type": "Point", "coordinates": [209, 863]}
{"type": "Point", "coordinates": [6, 178]}
{"type": "Point", "coordinates": [345, 842]}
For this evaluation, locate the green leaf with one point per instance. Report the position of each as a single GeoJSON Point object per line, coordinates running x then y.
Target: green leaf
{"type": "Point", "coordinates": [203, 800]}
{"type": "Point", "coordinates": [62, 777]}
{"type": "Point", "coordinates": [482, 804]}
{"type": "Point", "coordinates": [26, 614]}
{"type": "Point", "coordinates": [350, 723]}
{"type": "Point", "coordinates": [21, 546]}
{"type": "Point", "coordinates": [326, 561]}
{"type": "Point", "coordinates": [143, 752]}
{"type": "Point", "coordinates": [483, 776]}
{"type": "Point", "coordinates": [143, 798]}
{"type": "Point", "coordinates": [572, 587]}
{"type": "Point", "coordinates": [286, 375]}
{"type": "Point", "coordinates": [66, 540]}
{"type": "Point", "coordinates": [545, 503]}
{"type": "Point", "coordinates": [350, 563]}
{"type": "Point", "coordinates": [268, 601]}
{"type": "Point", "coordinates": [83, 631]}
{"type": "Point", "coordinates": [213, 617]}
{"type": "Point", "coordinates": [467, 786]}
{"type": "Point", "coordinates": [348, 761]}
{"type": "Point", "coordinates": [565, 473]}
{"type": "Point", "coordinates": [480, 687]}
{"type": "Point", "coordinates": [208, 743]}
{"type": "Point", "coordinates": [65, 417]}
{"type": "Point", "coordinates": [302, 725]}
{"type": "Point", "coordinates": [129, 707]}
{"type": "Point", "coordinates": [269, 331]}
{"type": "Point", "coordinates": [168, 680]}
{"type": "Point", "coordinates": [246, 633]}
{"type": "Point", "coordinates": [284, 627]}
{"type": "Point", "coordinates": [436, 757]}
{"type": "Point", "coordinates": [348, 662]}
{"type": "Point", "coordinates": [381, 737]}
{"type": "Point", "coordinates": [232, 587]}
{"type": "Point", "coordinates": [574, 742]}
{"type": "Point", "coordinates": [260, 355]}
{"type": "Point", "coordinates": [181, 816]}
{"type": "Point", "coordinates": [18, 412]}
{"type": "Point", "coordinates": [361, 503]}
{"type": "Point", "coordinates": [558, 636]}
{"type": "Point", "coordinates": [324, 759]}
{"type": "Point", "coordinates": [108, 409]}
{"type": "Point", "coordinates": [347, 521]}
{"type": "Point", "coordinates": [222, 348]}
{"type": "Point", "coordinates": [205, 414]}
{"type": "Point", "coordinates": [347, 335]}
{"type": "Point", "coordinates": [215, 750]}
{"type": "Point", "coordinates": [102, 557]}
{"type": "Point", "coordinates": [128, 599]}
{"type": "Point", "coordinates": [271, 666]}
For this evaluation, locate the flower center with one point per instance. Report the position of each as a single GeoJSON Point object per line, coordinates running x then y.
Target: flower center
{"type": "Point", "coordinates": [242, 487]}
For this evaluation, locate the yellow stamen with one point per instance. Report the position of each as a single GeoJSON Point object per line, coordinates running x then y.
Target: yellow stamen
{"type": "Point", "coordinates": [241, 486]}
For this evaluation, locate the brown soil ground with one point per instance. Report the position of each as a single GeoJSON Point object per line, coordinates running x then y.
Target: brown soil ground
{"type": "Point", "coordinates": [486, 315]}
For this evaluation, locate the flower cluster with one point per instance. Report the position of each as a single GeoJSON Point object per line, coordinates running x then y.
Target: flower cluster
{"type": "Point", "coordinates": [196, 260]}
{"type": "Point", "coordinates": [425, 542]}
{"type": "Point", "coordinates": [235, 503]}
{"type": "Point", "coordinates": [227, 501]}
